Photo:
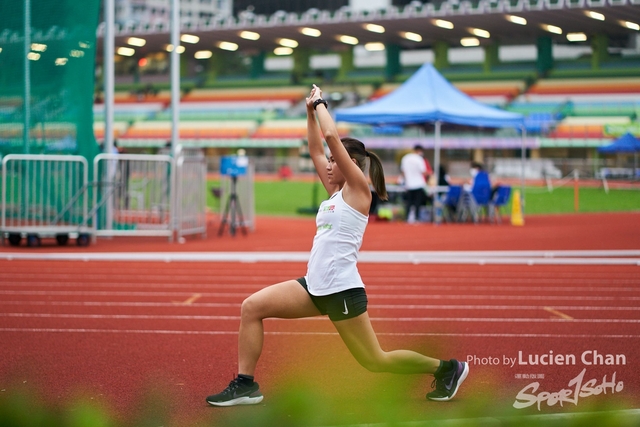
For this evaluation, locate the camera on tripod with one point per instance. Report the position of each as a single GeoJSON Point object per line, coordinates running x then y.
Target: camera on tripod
{"type": "Point", "coordinates": [233, 166]}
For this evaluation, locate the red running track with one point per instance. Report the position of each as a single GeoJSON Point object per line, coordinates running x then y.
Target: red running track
{"type": "Point", "coordinates": [113, 331]}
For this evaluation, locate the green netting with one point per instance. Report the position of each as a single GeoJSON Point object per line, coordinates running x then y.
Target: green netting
{"type": "Point", "coordinates": [58, 73]}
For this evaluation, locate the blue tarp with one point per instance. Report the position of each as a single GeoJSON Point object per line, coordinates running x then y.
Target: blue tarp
{"type": "Point", "coordinates": [627, 143]}
{"type": "Point", "coordinates": [428, 97]}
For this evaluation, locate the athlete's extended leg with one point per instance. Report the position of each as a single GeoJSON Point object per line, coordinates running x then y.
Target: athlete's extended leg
{"type": "Point", "coordinates": [360, 338]}
{"type": "Point", "coordinates": [357, 333]}
{"type": "Point", "coordinates": [287, 300]}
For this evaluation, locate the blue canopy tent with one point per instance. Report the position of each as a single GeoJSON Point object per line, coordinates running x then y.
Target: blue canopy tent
{"type": "Point", "coordinates": [627, 143]}
{"type": "Point", "coordinates": [427, 97]}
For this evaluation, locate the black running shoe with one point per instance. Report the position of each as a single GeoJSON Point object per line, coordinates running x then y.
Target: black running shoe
{"type": "Point", "coordinates": [237, 393]}
{"type": "Point", "coordinates": [446, 384]}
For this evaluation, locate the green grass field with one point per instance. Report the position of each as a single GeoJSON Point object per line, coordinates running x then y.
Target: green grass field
{"type": "Point", "coordinates": [286, 197]}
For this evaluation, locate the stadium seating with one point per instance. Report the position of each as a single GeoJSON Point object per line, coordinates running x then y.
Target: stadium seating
{"type": "Point", "coordinates": [129, 112]}
{"type": "Point", "coordinates": [119, 129]}
{"type": "Point", "coordinates": [293, 128]}
{"type": "Point", "coordinates": [191, 129]}
{"type": "Point", "coordinates": [585, 127]}
{"type": "Point", "coordinates": [289, 93]}
{"type": "Point", "coordinates": [606, 86]}
{"type": "Point", "coordinates": [142, 95]}
{"type": "Point", "coordinates": [560, 108]}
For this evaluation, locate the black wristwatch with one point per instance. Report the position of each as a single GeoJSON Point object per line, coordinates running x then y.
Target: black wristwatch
{"type": "Point", "coordinates": [320, 101]}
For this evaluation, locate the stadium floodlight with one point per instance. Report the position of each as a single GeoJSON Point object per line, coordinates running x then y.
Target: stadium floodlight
{"type": "Point", "coordinates": [516, 19]}
{"type": "Point", "coordinates": [281, 51]}
{"type": "Point", "coordinates": [228, 46]}
{"type": "Point", "coordinates": [287, 43]}
{"type": "Point", "coordinates": [249, 35]}
{"type": "Point", "coordinates": [594, 15]}
{"type": "Point", "coordinates": [189, 38]}
{"type": "Point", "coordinates": [169, 48]}
{"type": "Point", "coordinates": [348, 40]}
{"type": "Point", "coordinates": [374, 46]}
{"type": "Point", "coordinates": [125, 51]}
{"type": "Point", "coordinates": [374, 28]}
{"type": "Point", "coordinates": [311, 32]}
{"type": "Point", "coordinates": [203, 54]}
{"type": "Point", "coordinates": [469, 41]}
{"type": "Point", "coordinates": [442, 24]}
{"type": "Point", "coordinates": [33, 56]}
{"type": "Point", "coordinates": [38, 47]}
{"type": "Point", "coordinates": [61, 61]}
{"type": "Point", "coordinates": [551, 28]}
{"type": "Point", "coordinates": [479, 32]}
{"type": "Point", "coordinates": [136, 41]}
{"type": "Point", "coordinates": [411, 36]}
{"type": "Point", "coordinates": [630, 25]}
{"type": "Point", "coordinates": [576, 37]}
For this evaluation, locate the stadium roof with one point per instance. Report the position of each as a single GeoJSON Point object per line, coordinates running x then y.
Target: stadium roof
{"type": "Point", "coordinates": [618, 19]}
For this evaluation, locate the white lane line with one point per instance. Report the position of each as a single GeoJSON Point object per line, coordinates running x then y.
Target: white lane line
{"type": "Point", "coordinates": [372, 295]}
{"type": "Point", "coordinates": [498, 307]}
{"type": "Point", "coordinates": [122, 304]}
{"type": "Point", "coordinates": [375, 306]}
{"type": "Point", "coordinates": [414, 334]}
{"type": "Point", "coordinates": [594, 257]}
{"type": "Point", "coordinates": [258, 274]}
{"type": "Point", "coordinates": [147, 283]}
{"type": "Point", "coordinates": [123, 293]}
{"type": "Point", "coordinates": [377, 319]}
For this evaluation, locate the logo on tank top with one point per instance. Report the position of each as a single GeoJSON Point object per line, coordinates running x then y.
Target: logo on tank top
{"type": "Point", "coordinates": [328, 209]}
{"type": "Point", "coordinates": [324, 227]}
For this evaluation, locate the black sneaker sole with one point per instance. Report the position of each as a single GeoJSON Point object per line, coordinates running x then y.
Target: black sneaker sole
{"type": "Point", "coordinates": [245, 400]}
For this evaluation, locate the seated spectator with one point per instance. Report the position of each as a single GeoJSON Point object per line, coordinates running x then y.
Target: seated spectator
{"type": "Point", "coordinates": [477, 193]}
{"type": "Point", "coordinates": [479, 177]}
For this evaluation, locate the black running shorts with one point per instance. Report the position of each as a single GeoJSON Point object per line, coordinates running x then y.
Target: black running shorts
{"type": "Point", "coordinates": [339, 306]}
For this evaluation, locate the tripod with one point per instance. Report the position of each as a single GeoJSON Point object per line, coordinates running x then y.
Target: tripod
{"type": "Point", "coordinates": [233, 209]}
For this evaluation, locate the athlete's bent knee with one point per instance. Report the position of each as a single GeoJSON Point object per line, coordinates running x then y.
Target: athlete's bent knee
{"type": "Point", "coordinates": [250, 308]}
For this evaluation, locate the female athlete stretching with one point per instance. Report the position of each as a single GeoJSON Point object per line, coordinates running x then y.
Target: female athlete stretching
{"type": "Point", "coordinates": [332, 285]}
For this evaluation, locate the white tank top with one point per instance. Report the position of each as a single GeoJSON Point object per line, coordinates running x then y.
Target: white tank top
{"type": "Point", "coordinates": [332, 265]}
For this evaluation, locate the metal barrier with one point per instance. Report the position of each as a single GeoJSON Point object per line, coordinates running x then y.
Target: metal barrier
{"type": "Point", "coordinates": [130, 195]}
{"type": "Point", "coordinates": [190, 193]}
{"type": "Point", "coordinates": [44, 196]}
{"type": "Point", "coordinates": [150, 195]}
{"type": "Point", "coordinates": [133, 195]}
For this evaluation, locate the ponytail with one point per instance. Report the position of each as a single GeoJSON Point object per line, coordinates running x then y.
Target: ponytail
{"type": "Point", "coordinates": [358, 152]}
{"type": "Point", "coordinates": [376, 173]}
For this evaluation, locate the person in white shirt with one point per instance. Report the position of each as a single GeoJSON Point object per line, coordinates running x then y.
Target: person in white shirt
{"type": "Point", "coordinates": [414, 172]}
{"type": "Point", "coordinates": [332, 285]}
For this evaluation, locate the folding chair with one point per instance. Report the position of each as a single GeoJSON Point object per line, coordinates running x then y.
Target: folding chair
{"type": "Point", "coordinates": [481, 198]}
{"type": "Point", "coordinates": [500, 199]}
{"type": "Point", "coordinates": [472, 202]}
